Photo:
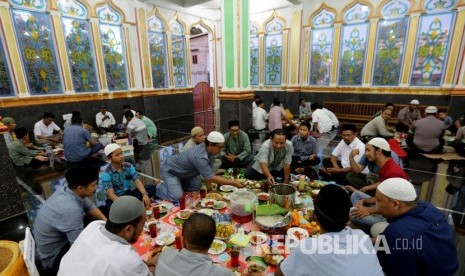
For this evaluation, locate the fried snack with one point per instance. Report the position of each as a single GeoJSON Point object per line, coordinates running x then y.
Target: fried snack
{"type": "Point", "coordinates": [224, 230]}
{"type": "Point", "coordinates": [269, 257]}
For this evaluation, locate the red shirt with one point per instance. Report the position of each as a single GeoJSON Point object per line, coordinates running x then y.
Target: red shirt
{"type": "Point", "coordinates": [390, 170]}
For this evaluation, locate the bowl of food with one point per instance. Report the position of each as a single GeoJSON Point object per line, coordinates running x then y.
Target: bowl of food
{"type": "Point", "coordinates": [219, 205]}
{"type": "Point", "coordinates": [256, 266]}
{"type": "Point", "coordinates": [273, 223]}
{"type": "Point", "coordinates": [224, 230]}
{"type": "Point", "coordinates": [215, 196]}
{"type": "Point", "coordinates": [208, 203]}
{"type": "Point", "coordinates": [217, 247]}
{"type": "Point", "coordinates": [257, 237]}
{"type": "Point", "coordinates": [184, 214]}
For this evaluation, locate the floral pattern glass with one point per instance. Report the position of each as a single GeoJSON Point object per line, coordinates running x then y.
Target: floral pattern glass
{"type": "Point", "coordinates": [178, 54]}
{"type": "Point", "coordinates": [157, 44]}
{"type": "Point", "coordinates": [321, 56]}
{"type": "Point", "coordinates": [273, 52]}
{"type": "Point", "coordinates": [254, 54]}
{"type": "Point", "coordinates": [6, 88]}
{"type": "Point", "coordinates": [352, 58]}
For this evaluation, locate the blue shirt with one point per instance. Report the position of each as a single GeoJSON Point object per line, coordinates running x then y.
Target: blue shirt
{"type": "Point", "coordinates": [304, 148]}
{"type": "Point", "coordinates": [421, 243]}
{"type": "Point", "coordinates": [372, 165]}
{"type": "Point", "coordinates": [191, 163]}
{"type": "Point", "coordinates": [121, 181]}
{"type": "Point", "coordinates": [58, 221]}
{"type": "Point", "coordinates": [74, 143]}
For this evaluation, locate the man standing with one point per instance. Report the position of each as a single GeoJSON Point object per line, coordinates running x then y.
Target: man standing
{"type": "Point", "coordinates": [377, 127]}
{"type": "Point", "coordinates": [337, 170]}
{"type": "Point", "coordinates": [305, 108]}
{"type": "Point", "coordinates": [427, 133]}
{"type": "Point", "coordinates": [197, 137]}
{"type": "Point", "coordinates": [259, 117]}
{"type": "Point", "coordinates": [180, 172]}
{"type": "Point", "coordinates": [43, 130]}
{"type": "Point", "coordinates": [105, 120]}
{"type": "Point", "coordinates": [60, 220]}
{"type": "Point", "coordinates": [273, 160]}
{"type": "Point", "coordinates": [305, 151]}
{"type": "Point", "coordinates": [418, 236]}
{"type": "Point", "coordinates": [9, 134]}
{"type": "Point", "coordinates": [407, 115]}
{"type": "Point", "coordinates": [256, 98]}
{"type": "Point", "coordinates": [198, 233]}
{"type": "Point", "coordinates": [236, 151]}
{"type": "Point", "coordinates": [75, 138]}
{"type": "Point", "coordinates": [151, 128]}
{"type": "Point", "coordinates": [137, 130]}
{"type": "Point", "coordinates": [105, 248]}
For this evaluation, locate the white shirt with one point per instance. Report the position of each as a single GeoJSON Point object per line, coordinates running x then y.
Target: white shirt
{"type": "Point", "coordinates": [138, 130]}
{"type": "Point", "coordinates": [259, 118]}
{"type": "Point", "coordinates": [124, 118]}
{"type": "Point", "coordinates": [343, 151]}
{"type": "Point", "coordinates": [332, 116]}
{"type": "Point", "coordinates": [324, 122]}
{"type": "Point", "coordinates": [40, 129]}
{"type": "Point", "coordinates": [99, 252]}
{"type": "Point", "coordinates": [107, 122]}
{"type": "Point", "coordinates": [254, 105]}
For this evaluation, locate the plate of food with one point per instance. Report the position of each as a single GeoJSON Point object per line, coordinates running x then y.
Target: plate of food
{"type": "Point", "coordinates": [162, 207]}
{"type": "Point", "coordinates": [165, 239]}
{"type": "Point", "coordinates": [271, 255]}
{"type": "Point", "coordinates": [184, 214]}
{"type": "Point", "coordinates": [252, 184]}
{"type": "Point", "coordinates": [207, 212]}
{"type": "Point", "coordinates": [224, 230]}
{"type": "Point", "coordinates": [297, 233]}
{"type": "Point", "coordinates": [208, 203]}
{"type": "Point", "coordinates": [217, 247]}
{"type": "Point", "coordinates": [257, 237]}
{"type": "Point", "coordinates": [148, 223]}
{"type": "Point", "coordinates": [255, 266]}
{"type": "Point", "coordinates": [215, 196]}
{"type": "Point", "coordinates": [226, 197]}
{"type": "Point", "coordinates": [227, 188]}
{"type": "Point", "coordinates": [219, 205]}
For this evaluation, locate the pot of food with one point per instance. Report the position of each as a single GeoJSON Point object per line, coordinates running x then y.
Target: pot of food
{"type": "Point", "coordinates": [283, 195]}
{"type": "Point", "coordinates": [242, 205]}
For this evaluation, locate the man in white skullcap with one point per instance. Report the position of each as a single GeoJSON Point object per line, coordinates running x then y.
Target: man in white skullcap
{"type": "Point", "coordinates": [180, 172]}
{"type": "Point", "coordinates": [427, 133]}
{"type": "Point", "coordinates": [418, 238]}
{"type": "Point", "coordinates": [407, 115]}
{"type": "Point", "coordinates": [105, 248]}
{"type": "Point", "coordinates": [197, 137]}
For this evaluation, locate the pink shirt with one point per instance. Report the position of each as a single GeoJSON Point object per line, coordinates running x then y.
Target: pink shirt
{"type": "Point", "coordinates": [274, 117]}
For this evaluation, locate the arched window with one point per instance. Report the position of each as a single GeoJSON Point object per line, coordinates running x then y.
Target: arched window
{"type": "Point", "coordinates": [6, 87]}
{"type": "Point", "coordinates": [321, 48]}
{"type": "Point", "coordinates": [254, 54]}
{"type": "Point", "coordinates": [392, 31]}
{"type": "Point", "coordinates": [157, 44]}
{"type": "Point", "coordinates": [111, 35]}
{"type": "Point", "coordinates": [273, 52]}
{"type": "Point", "coordinates": [79, 46]}
{"type": "Point", "coordinates": [433, 42]}
{"type": "Point", "coordinates": [178, 49]}
{"type": "Point", "coordinates": [35, 40]}
{"type": "Point", "coordinates": [353, 45]}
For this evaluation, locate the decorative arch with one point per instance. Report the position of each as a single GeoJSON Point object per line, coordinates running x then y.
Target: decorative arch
{"type": "Point", "coordinates": [34, 34]}
{"type": "Point", "coordinates": [385, 4]}
{"type": "Point", "coordinates": [178, 33]}
{"type": "Point", "coordinates": [274, 42]}
{"type": "Point", "coordinates": [321, 48]}
{"type": "Point", "coordinates": [323, 7]}
{"type": "Point", "coordinates": [354, 41]}
{"type": "Point", "coordinates": [78, 40]}
{"type": "Point", "coordinates": [392, 33]}
{"type": "Point", "coordinates": [156, 12]}
{"type": "Point", "coordinates": [274, 16]}
{"type": "Point", "coordinates": [111, 5]}
{"type": "Point", "coordinates": [156, 28]}
{"type": "Point", "coordinates": [204, 25]}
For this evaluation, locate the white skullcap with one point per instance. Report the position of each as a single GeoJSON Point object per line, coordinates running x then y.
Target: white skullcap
{"type": "Point", "coordinates": [111, 148]}
{"type": "Point", "coordinates": [431, 110]}
{"type": "Point", "coordinates": [414, 102]}
{"type": "Point", "coordinates": [398, 188]}
{"type": "Point", "coordinates": [380, 143]}
{"type": "Point", "coordinates": [215, 137]}
{"type": "Point", "coordinates": [196, 130]}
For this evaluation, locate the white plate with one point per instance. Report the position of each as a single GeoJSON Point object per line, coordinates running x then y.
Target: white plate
{"type": "Point", "coordinates": [302, 233]}
{"type": "Point", "coordinates": [146, 225]}
{"type": "Point", "coordinates": [207, 212]}
{"type": "Point", "coordinates": [227, 188]}
{"type": "Point", "coordinates": [165, 239]}
{"type": "Point", "coordinates": [260, 237]}
{"type": "Point", "coordinates": [208, 203]}
{"type": "Point", "coordinates": [219, 205]}
{"type": "Point", "coordinates": [178, 214]}
{"type": "Point", "coordinates": [221, 247]}
{"type": "Point", "coordinates": [226, 197]}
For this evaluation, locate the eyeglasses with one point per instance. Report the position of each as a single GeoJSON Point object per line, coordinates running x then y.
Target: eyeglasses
{"type": "Point", "coordinates": [220, 147]}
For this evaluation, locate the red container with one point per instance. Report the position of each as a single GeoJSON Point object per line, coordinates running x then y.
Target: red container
{"type": "Point", "coordinates": [234, 258]}
{"type": "Point", "coordinates": [266, 187]}
{"type": "Point", "coordinates": [178, 242]}
{"type": "Point", "coordinates": [242, 219]}
{"type": "Point", "coordinates": [153, 230]}
{"type": "Point", "coordinates": [182, 202]}
{"type": "Point", "coordinates": [156, 212]}
{"type": "Point", "coordinates": [203, 193]}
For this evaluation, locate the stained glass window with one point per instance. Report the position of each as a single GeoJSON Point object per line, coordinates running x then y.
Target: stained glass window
{"type": "Point", "coordinates": [79, 45]}
{"type": "Point", "coordinates": [321, 48]}
{"type": "Point", "coordinates": [157, 44]}
{"type": "Point", "coordinates": [392, 30]}
{"type": "Point", "coordinates": [111, 36]}
{"type": "Point", "coordinates": [178, 54]}
{"type": "Point", "coordinates": [35, 41]}
{"type": "Point", "coordinates": [6, 87]}
{"type": "Point", "coordinates": [353, 45]}
{"type": "Point", "coordinates": [273, 52]}
{"type": "Point", "coordinates": [254, 54]}
{"type": "Point", "coordinates": [433, 43]}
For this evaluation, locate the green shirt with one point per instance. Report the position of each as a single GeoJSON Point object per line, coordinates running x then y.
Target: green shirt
{"type": "Point", "coordinates": [20, 155]}
{"type": "Point", "coordinates": [151, 128]}
{"type": "Point", "coordinates": [239, 146]}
